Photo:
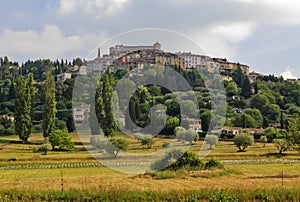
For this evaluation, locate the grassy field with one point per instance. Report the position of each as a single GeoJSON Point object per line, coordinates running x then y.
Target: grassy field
{"type": "Point", "coordinates": [237, 180]}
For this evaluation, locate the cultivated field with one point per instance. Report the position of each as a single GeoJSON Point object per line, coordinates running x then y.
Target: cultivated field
{"type": "Point", "coordinates": [82, 172]}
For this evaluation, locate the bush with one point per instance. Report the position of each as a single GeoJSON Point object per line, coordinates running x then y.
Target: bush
{"type": "Point", "coordinates": [264, 140]}
{"type": "Point", "coordinates": [45, 148]}
{"type": "Point", "coordinates": [148, 142]}
{"type": "Point", "coordinates": [37, 128]}
{"type": "Point", "coordinates": [213, 163]}
{"type": "Point", "coordinates": [61, 139]}
{"type": "Point", "coordinates": [177, 159]}
{"type": "Point", "coordinates": [2, 130]}
{"type": "Point", "coordinates": [166, 144]}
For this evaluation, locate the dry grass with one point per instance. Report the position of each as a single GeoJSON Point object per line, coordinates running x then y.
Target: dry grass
{"type": "Point", "coordinates": [252, 177]}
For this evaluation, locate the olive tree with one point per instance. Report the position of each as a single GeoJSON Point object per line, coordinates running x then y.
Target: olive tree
{"type": "Point", "coordinates": [243, 141]}
{"type": "Point", "coordinates": [211, 140]}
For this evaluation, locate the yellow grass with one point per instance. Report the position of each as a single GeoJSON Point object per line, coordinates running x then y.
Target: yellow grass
{"type": "Point", "coordinates": [252, 177]}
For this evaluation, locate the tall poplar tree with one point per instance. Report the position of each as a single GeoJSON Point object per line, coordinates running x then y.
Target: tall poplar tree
{"type": "Point", "coordinates": [23, 121]}
{"type": "Point", "coordinates": [103, 106]}
{"type": "Point", "coordinates": [50, 106]}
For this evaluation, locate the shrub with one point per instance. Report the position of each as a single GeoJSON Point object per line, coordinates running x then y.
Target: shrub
{"type": "Point", "coordinates": [177, 159]}
{"type": "Point", "coordinates": [166, 144]}
{"type": "Point", "coordinates": [37, 128]}
{"type": "Point", "coordinates": [45, 148]}
{"type": "Point", "coordinates": [264, 140]}
{"type": "Point", "coordinates": [148, 142]}
{"type": "Point", "coordinates": [61, 139]}
{"type": "Point", "coordinates": [10, 131]}
{"type": "Point", "coordinates": [2, 130]}
{"type": "Point", "coordinates": [213, 163]}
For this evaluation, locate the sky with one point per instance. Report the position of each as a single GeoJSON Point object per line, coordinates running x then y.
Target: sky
{"type": "Point", "coordinates": [263, 34]}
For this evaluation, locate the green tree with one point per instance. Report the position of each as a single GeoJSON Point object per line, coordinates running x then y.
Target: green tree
{"type": "Point", "coordinates": [119, 144]}
{"type": "Point", "coordinates": [281, 145]}
{"type": "Point", "coordinates": [23, 121]}
{"type": "Point", "coordinates": [258, 101]}
{"type": "Point", "coordinates": [31, 94]}
{"type": "Point", "coordinates": [61, 139]}
{"type": "Point", "coordinates": [243, 141]}
{"type": "Point", "coordinates": [244, 121]}
{"type": "Point", "coordinates": [294, 133]}
{"type": "Point", "coordinates": [49, 119]}
{"type": "Point", "coordinates": [246, 88]}
{"type": "Point", "coordinates": [238, 76]}
{"type": "Point", "coordinates": [231, 89]}
{"type": "Point", "coordinates": [171, 124]}
{"type": "Point", "coordinates": [264, 140]}
{"type": "Point", "coordinates": [256, 115]}
{"type": "Point", "coordinates": [11, 92]}
{"type": "Point", "coordinates": [211, 140]}
{"type": "Point", "coordinates": [205, 120]}
{"type": "Point", "coordinates": [272, 112]}
{"type": "Point", "coordinates": [103, 106]}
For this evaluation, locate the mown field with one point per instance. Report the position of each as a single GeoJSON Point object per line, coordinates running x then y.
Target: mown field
{"type": "Point", "coordinates": [238, 182]}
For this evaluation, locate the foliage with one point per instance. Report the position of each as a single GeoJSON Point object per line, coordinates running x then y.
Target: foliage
{"type": "Point", "coordinates": [243, 140]}
{"type": "Point", "coordinates": [147, 141]}
{"type": "Point", "coordinates": [231, 89]}
{"type": "Point", "coordinates": [212, 140]}
{"type": "Point", "coordinates": [45, 148]}
{"type": "Point", "coordinates": [177, 159]}
{"type": "Point", "coordinates": [103, 106]}
{"type": "Point", "coordinates": [244, 120]}
{"type": "Point", "coordinates": [112, 146]}
{"type": "Point", "coordinates": [171, 124]}
{"type": "Point", "coordinates": [213, 163]}
{"type": "Point", "coordinates": [281, 145]}
{"type": "Point", "coordinates": [166, 144]}
{"type": "Point", "coordinates": [119, 144]}
{"type": "Point", "coordinates": [50, 106]}
{"type": "Point", "coordinates": [293, 135]}
{"type": "Point", "coordinates": [257, 116]}
{"type": "Point", "coordinates": [61, 139]}
{"type": "Point", "coordinates": [264, 140]}
{"type": "Point", "coordinates": [205, 120]}
{"type": "Point", "coordinates": [23, 105]}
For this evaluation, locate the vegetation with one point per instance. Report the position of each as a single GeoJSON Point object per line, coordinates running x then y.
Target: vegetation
{"type": "Point", "coordinates": [212, 140]}
{"type": "Point", "coordinates": [23, 108]}
{"type": "Point", "coordinates": [61, 139]}
{"type": "Point", "coordinates": [49, 107]}
{"type": "Point", "coordinates": [243, 141]}
{"type": "Point", "coordinates": [103, 102]}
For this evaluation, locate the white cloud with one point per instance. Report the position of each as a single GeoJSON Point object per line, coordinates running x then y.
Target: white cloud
{"type": "Point", "coordinates": [50, 43]}
{"type": "Point", "coordinates": [288, 73]}
{"type": "Point", "coordinates": [97, 8]}
{"type": "Point", "coordinates": [220, 40]}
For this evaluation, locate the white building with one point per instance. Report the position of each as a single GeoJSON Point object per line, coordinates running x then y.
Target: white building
{"type": "Point", "coordinates": [193, 61]}
{"type": "Point", "coordinates": [80, 114]}
{"type": "Point", "coordinates": [119, 50]}
{"type": "Point", "coordinates": [64, 76]}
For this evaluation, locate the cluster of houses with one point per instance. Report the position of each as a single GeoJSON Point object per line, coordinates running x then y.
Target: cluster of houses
{"type": "Point", "coordinates": [131, 57]}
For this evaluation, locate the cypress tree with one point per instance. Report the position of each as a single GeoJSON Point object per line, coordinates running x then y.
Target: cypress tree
{"type": "Point", "coordinates": [50, 106]}
{"type": "Point", "coordinates": [23, 122]}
